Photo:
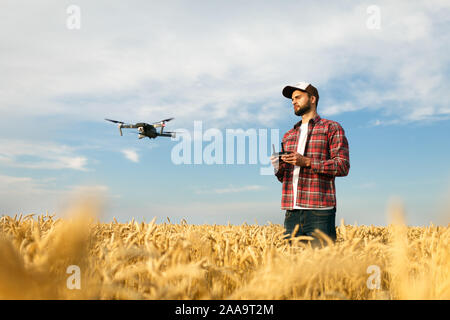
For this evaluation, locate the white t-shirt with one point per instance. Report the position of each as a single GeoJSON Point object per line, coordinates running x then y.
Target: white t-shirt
{"type": "Point", "coordinates": [301, 150]}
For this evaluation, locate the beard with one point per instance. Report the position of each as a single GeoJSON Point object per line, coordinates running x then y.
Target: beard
{"type": "Point", "coordinates": [303, 109]}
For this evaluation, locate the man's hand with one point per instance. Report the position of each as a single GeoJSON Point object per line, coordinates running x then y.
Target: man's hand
{"type": "Point", "coordinates": [275, 162]}
{"type": "Point", "coordinates": [296, 159]}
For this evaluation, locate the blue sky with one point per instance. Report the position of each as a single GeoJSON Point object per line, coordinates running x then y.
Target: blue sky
{"type": "Point", "coordinates": [225, 64]}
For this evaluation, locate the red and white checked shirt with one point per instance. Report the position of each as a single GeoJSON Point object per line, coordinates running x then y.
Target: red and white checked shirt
{"type": "Point", "coordinates": [327, 147]}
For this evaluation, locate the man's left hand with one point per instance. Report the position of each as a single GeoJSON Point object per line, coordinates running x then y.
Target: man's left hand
{"type": "Point", "coordinates": [296, 159]}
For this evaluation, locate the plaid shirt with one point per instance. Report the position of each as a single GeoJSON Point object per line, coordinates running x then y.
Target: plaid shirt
{"type": "Point", "coordinates": [327, 147]}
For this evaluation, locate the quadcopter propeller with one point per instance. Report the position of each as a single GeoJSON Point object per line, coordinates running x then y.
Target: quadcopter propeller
{"type": "Point", "coordinates": [119, 122]}
{"type": "Point", "coordinates": [162, 121]}
{"type": "Point", "coordinates": [115, 121]}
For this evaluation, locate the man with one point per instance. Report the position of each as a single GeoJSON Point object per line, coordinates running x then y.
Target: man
{"type": "Point", "coordinates": [317, 153]}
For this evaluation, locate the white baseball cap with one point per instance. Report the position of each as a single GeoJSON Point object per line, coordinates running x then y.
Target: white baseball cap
{"type": "Point", "coordinates": [302, 86]}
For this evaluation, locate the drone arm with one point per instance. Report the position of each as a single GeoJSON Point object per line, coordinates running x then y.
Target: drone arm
{"type": "Point", "coordinates": [126, 126]}
{"type": "Point", "coordinates": [168, 134]}
{"type": "Point", "coordinates": [129, 126]}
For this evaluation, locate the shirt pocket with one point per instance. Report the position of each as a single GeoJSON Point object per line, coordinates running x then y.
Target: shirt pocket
{"type": "Point", "coordinates": [289, 143]}
{"type": "Point", "coordinates": [318, 145]}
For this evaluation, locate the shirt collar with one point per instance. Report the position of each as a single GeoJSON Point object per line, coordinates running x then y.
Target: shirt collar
{"type": "Point", "coordinates": [313, 120]}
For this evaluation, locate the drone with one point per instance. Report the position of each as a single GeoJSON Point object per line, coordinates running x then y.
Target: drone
{"type": "Point", "coordinates": [145, 129]}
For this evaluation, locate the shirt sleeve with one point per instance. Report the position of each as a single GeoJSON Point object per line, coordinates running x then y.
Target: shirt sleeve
{"type": "Point", "coordinates": [280, 172]}
{"type": "Point", "coordinates": [282, 165]}
{"type": "Point", "coordinates": [339, 162]}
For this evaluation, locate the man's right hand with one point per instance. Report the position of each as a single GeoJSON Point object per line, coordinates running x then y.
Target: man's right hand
{"type": "Point", "coordinates": [275, 162]}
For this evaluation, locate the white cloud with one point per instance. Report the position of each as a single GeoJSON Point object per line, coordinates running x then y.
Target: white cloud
{"type": "Point", "coordinates": [131, 155]}
{"type": "Point", "coordinates": [19, 184]}
{"type": "Point", "coordinates": [219, 61]}
{"type": "Point", "coordinates": [40, 155]}
{"type": "Point", "coordinates": [339, 108]}
{"type": "Point", "coordinates": [32, 195]}
{"type": "Point", "coordinates": [375, 123]}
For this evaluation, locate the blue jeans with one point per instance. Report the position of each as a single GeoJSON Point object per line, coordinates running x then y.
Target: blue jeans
{"type": "Point", "coordinates": [308, 221]}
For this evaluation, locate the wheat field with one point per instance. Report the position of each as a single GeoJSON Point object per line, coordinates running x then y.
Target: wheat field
{"type": "Point", "coordinates": [181, 261]}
